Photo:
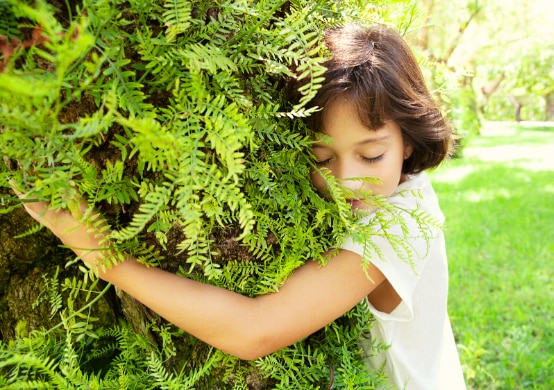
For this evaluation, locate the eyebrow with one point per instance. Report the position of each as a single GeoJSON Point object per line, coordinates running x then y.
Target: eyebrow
{"type": "Point", "coordinates": [360, 143]}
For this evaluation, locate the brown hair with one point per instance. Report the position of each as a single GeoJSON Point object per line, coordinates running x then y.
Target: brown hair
{"type": "Point", "coordinates": [377, 71]}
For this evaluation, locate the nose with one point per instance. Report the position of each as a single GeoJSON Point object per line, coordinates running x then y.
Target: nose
{"type": "Point", "coordinates": [343, 172]}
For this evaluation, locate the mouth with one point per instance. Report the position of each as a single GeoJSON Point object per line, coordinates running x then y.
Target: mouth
{"type": "Point", "coordinates": [356, 203]}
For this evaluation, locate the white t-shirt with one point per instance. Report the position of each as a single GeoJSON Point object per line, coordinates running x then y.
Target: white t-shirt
{"type": "Point", "coordinates": [422, 353]}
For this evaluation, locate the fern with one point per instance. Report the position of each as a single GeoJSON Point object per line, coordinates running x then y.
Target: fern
{"type": "Point", "coordinates": [9, 27]}
{"type": "Point", "coordinates": [51, 289]}
{"type": "Point", "coordinates": [31, 231]}
{"type": "Point", "coordinates": [155, 199]}
{"type": "Point", "coordinates": [176, 17]}
{"type": "Point", "coordinates": [170, 117]}
{"type": "Point", "coordinates": [161, 377]}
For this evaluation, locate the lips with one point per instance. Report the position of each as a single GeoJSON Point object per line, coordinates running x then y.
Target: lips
{"type": "Point", "coordinates": [356, 203]}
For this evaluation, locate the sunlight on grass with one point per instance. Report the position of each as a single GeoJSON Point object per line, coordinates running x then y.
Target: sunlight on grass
{"type": "Point", "coordinates": [528, 146]}
{"type": "Point", "coordinates": [488, 195]}
{"type": "Point", "coordinates": [500, 240]}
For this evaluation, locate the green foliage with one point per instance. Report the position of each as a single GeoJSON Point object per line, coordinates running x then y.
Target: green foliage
{"type": "Point", "coordinates": [465, 115]}
{"type": "Point", "coordinates": [75, 354]}
{"type": "Point", "coordinates": [8, 24]}
{"type": "Point", "coordinates": [170, 117]}
{"type": "Point", "coordinates": [115, 358]}
{"type": "Point", "coordinates": [528, 81]}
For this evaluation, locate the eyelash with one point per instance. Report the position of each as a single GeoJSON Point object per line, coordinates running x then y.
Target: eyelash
{"type": "Point", "coordinates": [371, 160]}
{"type": "Point", "coordinates": [322, 163]}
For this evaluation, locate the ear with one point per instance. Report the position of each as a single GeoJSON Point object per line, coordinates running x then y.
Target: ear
{"type": "Point", "coordinates": [408, 150]}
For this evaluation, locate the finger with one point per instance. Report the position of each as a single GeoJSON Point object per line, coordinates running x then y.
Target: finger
{"type": "Point", "coordinates": [15, 189]}
{"type": "Point", "coordinates": [36, 208]}
{"type": "Point", "coordinates": [31, 205]}
{"type": "Point", "coordinates": [77, 209]}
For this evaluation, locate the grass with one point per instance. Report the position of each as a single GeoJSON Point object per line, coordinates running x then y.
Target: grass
{"type": "Point", "coordinates": [498, 199]}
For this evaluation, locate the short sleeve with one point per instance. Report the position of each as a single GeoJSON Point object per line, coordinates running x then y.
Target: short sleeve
{"type": "Point", "coordinates": [402, 275]}
{"type": "Point", "coordinates": [402, 262]}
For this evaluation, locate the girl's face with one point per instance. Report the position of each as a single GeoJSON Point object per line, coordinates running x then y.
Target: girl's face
{"type": "Point", "coordinates": [357, 151]}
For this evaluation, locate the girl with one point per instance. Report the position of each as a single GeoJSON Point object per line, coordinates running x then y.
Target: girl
{"type": "Point", "coordinates": [382, 123]}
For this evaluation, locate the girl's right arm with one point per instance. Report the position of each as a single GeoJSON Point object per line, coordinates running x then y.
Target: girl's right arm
{"type": "Point", "coordinates": [248, 328]}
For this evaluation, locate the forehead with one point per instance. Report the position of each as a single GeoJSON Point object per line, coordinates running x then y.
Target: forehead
{"type": "Point", "coordinates": [365, 109]}
{"type": "Point", "coordinates": [370, 137]}
{"type": "Point", "coordinates": [362, 140]}
{"type": "Point", "coordinates": [339, 112]}
{"type": "Point", "coordinates": [341, 123]}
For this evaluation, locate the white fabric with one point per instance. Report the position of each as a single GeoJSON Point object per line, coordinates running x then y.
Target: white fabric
{"type": "Point", "coordinates": [422, 353]}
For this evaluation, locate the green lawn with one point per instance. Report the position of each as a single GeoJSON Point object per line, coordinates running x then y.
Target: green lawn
{"type": "Point", "coordinates": [498, 199]}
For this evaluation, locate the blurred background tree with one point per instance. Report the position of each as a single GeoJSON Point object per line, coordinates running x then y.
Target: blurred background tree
{"type": "Point", "coordinates": [493, 58]}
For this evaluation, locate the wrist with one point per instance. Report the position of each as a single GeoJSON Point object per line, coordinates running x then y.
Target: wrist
{"type": "Point", "coordinates": [91, 244]}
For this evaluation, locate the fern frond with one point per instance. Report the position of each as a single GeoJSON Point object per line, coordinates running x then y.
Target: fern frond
{"type": "Point", "coordinates": [206, 57]}
{"type": "Point", "coordinates": [155, 199]}
{"type": "Point", "coordinates": [36, 366]}
{"type": "Point", "coordinates": [176, 17]}
{"type": "Point", "coordinates": [9, 24]}
{"type": "Point", "coordinates": [35, 229]}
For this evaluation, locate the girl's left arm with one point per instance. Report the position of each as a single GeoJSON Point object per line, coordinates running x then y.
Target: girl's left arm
{"type": "Point", "coordinates": [248, 328]}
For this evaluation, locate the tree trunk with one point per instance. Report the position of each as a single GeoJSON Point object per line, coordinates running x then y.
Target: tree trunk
{"type": "Point", "coordinates": [549, 111]}
{"type": "Point", "coordinates": [517, 106]}
{"type": "Point", "coordinates": [110, 137]}
{"type": "Point", "coordinates": [33, 269]}
{"type": "Point", "coordinates": [29, 267]}
{"type": "Point", "coordinates": [488, 89]}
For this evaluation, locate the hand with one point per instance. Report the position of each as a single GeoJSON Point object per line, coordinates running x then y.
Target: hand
{"type": "Point", "coordinates": [80, 228]}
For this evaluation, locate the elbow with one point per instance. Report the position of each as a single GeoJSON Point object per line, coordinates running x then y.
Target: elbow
{"type": "Point", "coordinates": [250, 355]}
{"type": "Point", "coordinates": [254, 347]}
{"type": "Point", "coordinates": [259, 333]}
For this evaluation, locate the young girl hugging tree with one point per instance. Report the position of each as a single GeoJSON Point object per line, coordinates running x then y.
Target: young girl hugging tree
{"type": "Point", "coordinates": [378, 120]}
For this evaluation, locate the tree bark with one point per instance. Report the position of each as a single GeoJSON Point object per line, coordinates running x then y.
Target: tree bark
{"type": "Point", "coordinates": [549, 110]}
{"type": "Point", "coordinates": [26, 264]}
{"type": "Point", "coordinates": [517, 106]}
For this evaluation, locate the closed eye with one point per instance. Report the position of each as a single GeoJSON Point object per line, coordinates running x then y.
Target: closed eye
{"type": "Point", "coordinates": [372, 160]}
{"type": "Point", "coordinates": [322, 163]}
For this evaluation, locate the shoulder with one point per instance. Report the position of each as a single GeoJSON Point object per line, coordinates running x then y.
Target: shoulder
{"type": "Point", "coordinates": [417, 190]}
{"type": "Point", "coordinates": [404, 232]}
{"type": "Point", "coordinates": [414, 204]}
{"type": "Point", "coordinates": [412, 210]}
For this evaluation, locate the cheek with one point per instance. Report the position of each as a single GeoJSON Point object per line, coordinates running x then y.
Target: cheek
{"type": "Point", "coordinates": [318, 181]}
